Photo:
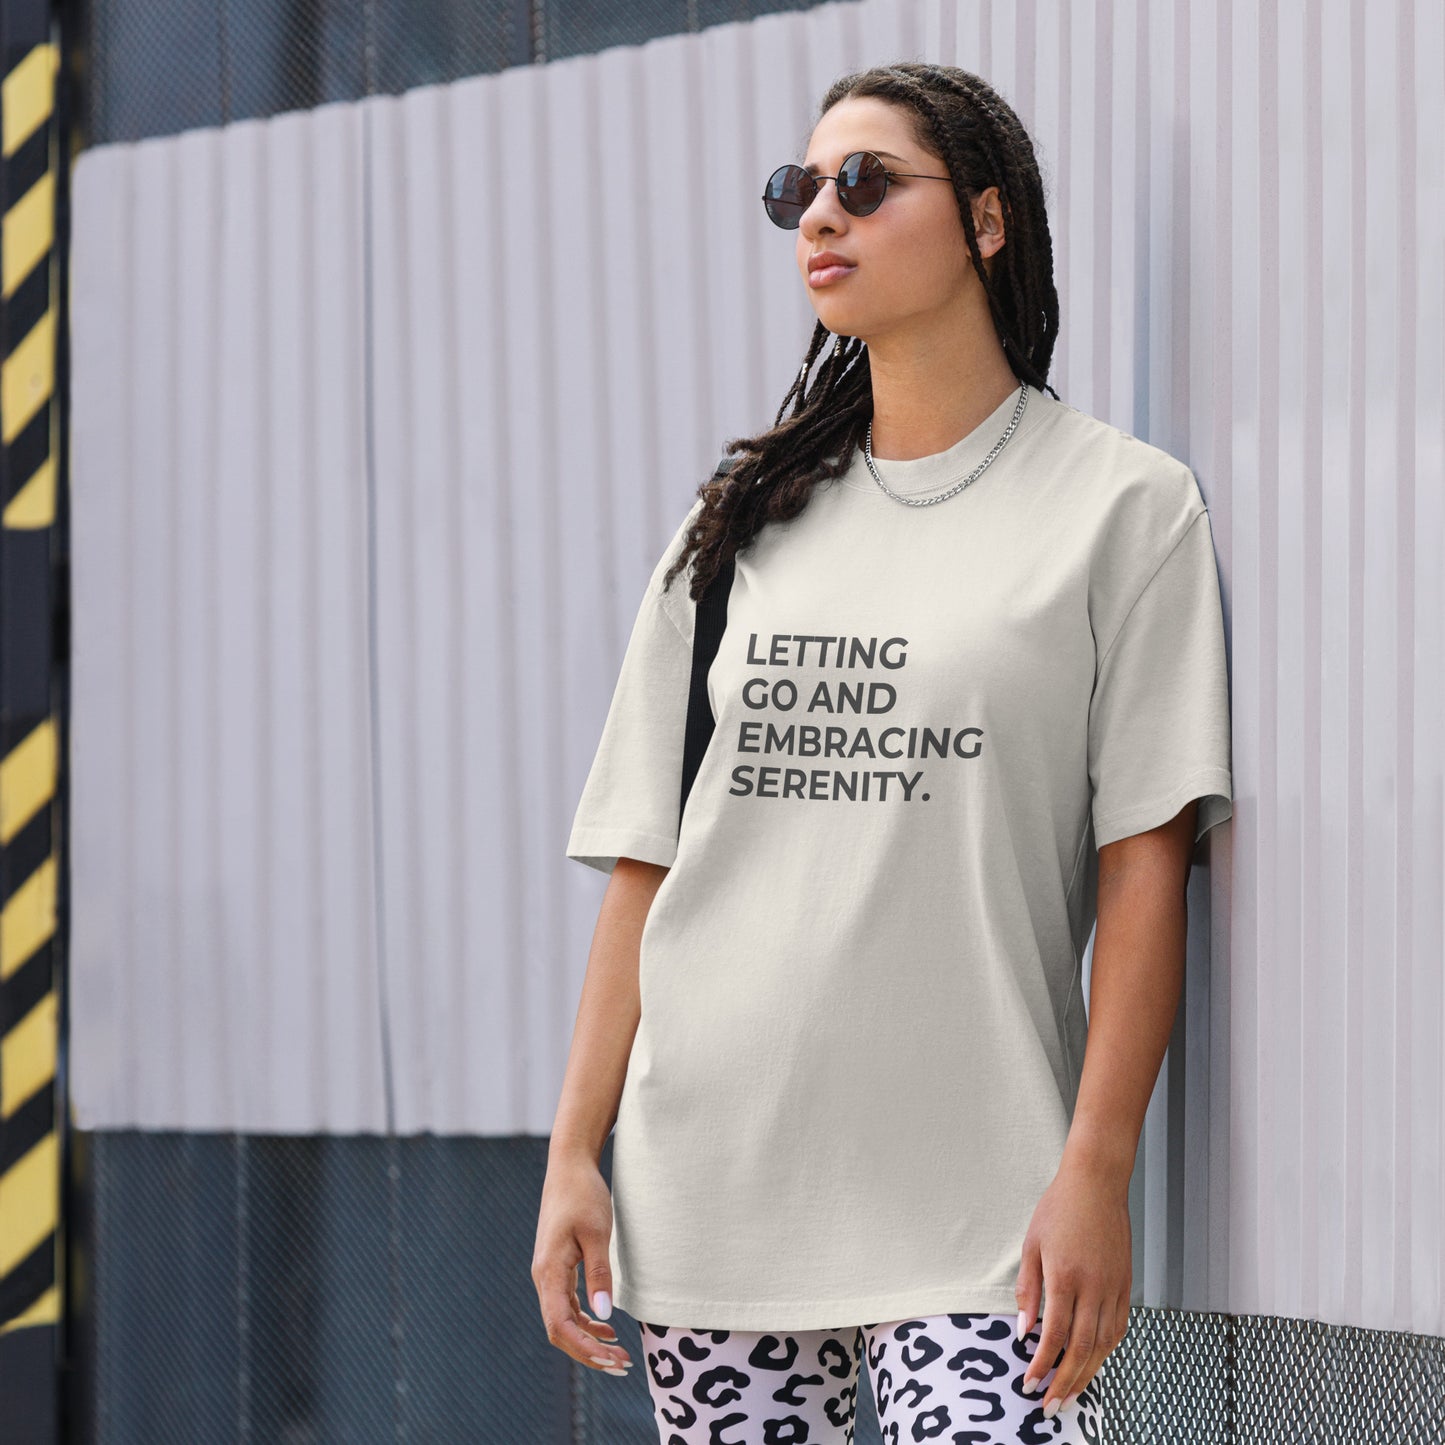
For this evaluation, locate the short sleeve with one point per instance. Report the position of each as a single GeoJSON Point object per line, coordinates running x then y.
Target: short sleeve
{"type": "Point", "coordinates": [631, 801]}
{"type": "Point", "coordinates": [1159, 730]}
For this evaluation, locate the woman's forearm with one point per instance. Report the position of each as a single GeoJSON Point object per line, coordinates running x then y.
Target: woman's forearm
{"type": "Point", "coordinates": [607, 1014]}
{"type": "Point", "coordinates": [1137, 977]}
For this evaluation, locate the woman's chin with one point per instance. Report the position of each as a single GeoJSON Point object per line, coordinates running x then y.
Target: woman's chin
{"type": "Point", "coordinates": [838, 319]}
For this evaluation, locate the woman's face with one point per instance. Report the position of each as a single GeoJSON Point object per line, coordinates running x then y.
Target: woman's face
{"type": "Point", "coordinates": [911, 269]}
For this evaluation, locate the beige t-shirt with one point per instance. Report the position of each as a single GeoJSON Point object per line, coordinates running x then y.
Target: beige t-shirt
{"type": "Point", "coordinates": [862, 1017]}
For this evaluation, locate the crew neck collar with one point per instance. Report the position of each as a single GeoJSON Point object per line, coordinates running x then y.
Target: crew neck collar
{"type": "Point", "coordinates": [941, 470]}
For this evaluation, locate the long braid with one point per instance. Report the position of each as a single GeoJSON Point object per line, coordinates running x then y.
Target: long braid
{"type": "Point", "coordinates": [966, 122]}
{"type": "Point", "coordinates": [1031, 298]}
{"type": "Point", "coordinates": [1021, 192]}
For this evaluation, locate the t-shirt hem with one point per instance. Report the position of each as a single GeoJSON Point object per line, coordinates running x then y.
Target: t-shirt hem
{"type": "Point", "coordinates": [754, 1314]}
{"type": "Point", "coordinates": [601, 847]}
{"type": "Point", "coordinates": [1206, 784]}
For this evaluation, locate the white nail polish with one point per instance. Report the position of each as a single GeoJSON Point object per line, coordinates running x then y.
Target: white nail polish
{"type": "Point", "coordinates": [602, 1303]}
{"type": "Point", "coordinates": [1023, 1320]}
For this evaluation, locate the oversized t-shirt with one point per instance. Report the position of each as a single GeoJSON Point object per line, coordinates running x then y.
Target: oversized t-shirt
{"type": "Point", "coordinates": [862, 1014]}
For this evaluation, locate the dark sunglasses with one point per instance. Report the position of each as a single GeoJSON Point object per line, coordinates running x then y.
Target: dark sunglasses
{"type": "Point", "coordinates": [862, 184]}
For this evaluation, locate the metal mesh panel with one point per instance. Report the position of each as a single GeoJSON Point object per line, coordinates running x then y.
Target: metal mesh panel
{"type": "Point", "coordinates": [327, 1289]}
{"type": "Point", "coordinates": [1258, 1380]}
{"type": "Point", "coordinates": [158, 67]}
{"type": "Point", "coordinates": [299, 1290]}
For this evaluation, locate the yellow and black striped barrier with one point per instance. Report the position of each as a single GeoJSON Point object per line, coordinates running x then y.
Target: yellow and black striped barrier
{"type": "Point", "coordinates": [31, 650]}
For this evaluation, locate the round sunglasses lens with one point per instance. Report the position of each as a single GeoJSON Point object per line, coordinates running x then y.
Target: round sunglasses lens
{"type": "Point", "coordinates": [862, 183]}
{"type": "Point", "coordinates": [789, 192]}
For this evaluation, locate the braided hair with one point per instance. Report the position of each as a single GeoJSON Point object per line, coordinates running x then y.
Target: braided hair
{"type": "Point", "coordinates": [961, 118]}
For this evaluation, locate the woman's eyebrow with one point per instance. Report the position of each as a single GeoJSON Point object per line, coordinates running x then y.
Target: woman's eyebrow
{"type": "Point", "coordinates": [812, 166]}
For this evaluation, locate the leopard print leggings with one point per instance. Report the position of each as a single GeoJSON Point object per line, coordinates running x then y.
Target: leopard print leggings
{"type": "Point", "coordinates": [952, 1378]}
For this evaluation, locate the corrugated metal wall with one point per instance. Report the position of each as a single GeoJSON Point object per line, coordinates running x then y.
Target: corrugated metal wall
{"type": "Point", "coordinates": [383, 412]}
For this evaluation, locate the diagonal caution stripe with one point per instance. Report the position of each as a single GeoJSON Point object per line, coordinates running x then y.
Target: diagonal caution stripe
{"type": "Point", "coordinates": [27, 1055]}
{"type": "Point", "coordinates": [28, 96]}
{"type": "Point", "coordinates": [29, 1200]}
{"type": "Point", "coordinates": [27, 779]}
{"type": "Point", "coordinates": [28, 919]}
{"type": "Point", "coordinates": [27, 377]}
{"type": "Point", "coordinates": [28, 231]}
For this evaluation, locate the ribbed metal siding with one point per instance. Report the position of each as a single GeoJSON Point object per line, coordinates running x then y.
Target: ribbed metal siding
{"type": "Point", "coordinates": [222, 951]}
{"type": "Point", "coordinates": [1247, 210]}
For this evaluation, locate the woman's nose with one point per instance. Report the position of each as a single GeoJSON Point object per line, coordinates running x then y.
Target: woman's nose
{"type": "Point", "coordinates": [824, 209]}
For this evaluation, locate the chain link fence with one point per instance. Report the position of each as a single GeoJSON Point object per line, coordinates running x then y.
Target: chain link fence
{"type": "Point", "coordinates": [317, 1290]}
{"type": "Point", "coordinates": [311, 1290]}
{"type": "Point", "coordinates": [159, 67]}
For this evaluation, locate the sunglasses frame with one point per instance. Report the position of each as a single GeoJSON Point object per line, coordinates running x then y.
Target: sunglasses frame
{"type": "Point", "coordinates": [839, 183]}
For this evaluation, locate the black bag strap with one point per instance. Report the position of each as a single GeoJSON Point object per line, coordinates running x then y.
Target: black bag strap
{"type": "Point", "coordinates": [710, 618]}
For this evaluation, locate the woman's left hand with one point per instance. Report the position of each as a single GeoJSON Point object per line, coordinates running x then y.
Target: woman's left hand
{"type": "Point", "coordinates": [1078, 1252]}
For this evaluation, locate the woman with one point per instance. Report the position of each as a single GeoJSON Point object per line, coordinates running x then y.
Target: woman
{"type": "Point", "coordinates": [971, 694]}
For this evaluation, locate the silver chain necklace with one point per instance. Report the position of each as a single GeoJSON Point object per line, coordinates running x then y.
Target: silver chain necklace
{"type": "Point", "coordinates": [972, 476]}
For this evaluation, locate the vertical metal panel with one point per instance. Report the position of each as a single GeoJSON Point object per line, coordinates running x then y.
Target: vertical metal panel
{"type": "Point", "coordinates": [222, 944]}
{"type": "Point", "coordinates": [571, 299]}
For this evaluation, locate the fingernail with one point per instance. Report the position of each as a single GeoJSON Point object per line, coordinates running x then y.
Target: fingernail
{"type": "Point", "coordinates": [1052, 1408]}
{"type": "Point", "coordinates": [1070, 1401]}
{"type": "Point", "coordinates": [1023, 1320]}
{"type": "Point", "coordinates": [611, 1371]}
{"type": "Point", "coordinates": [602, 1303]}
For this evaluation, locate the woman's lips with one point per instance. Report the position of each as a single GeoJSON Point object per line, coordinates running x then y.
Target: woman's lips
{"type": "Point", "coordinates": [825, 274]}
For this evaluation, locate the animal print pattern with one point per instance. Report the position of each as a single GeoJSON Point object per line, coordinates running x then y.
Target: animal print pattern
{"type": "Point", "coordinates": [956, 1379]}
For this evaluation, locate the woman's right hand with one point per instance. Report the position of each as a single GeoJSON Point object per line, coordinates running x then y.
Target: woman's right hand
{"type": "Point", "coordinates": [574, 1226]}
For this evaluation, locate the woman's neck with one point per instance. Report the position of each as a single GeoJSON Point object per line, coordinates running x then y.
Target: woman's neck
{"type": "Point", "coordinates": [923, 405]}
